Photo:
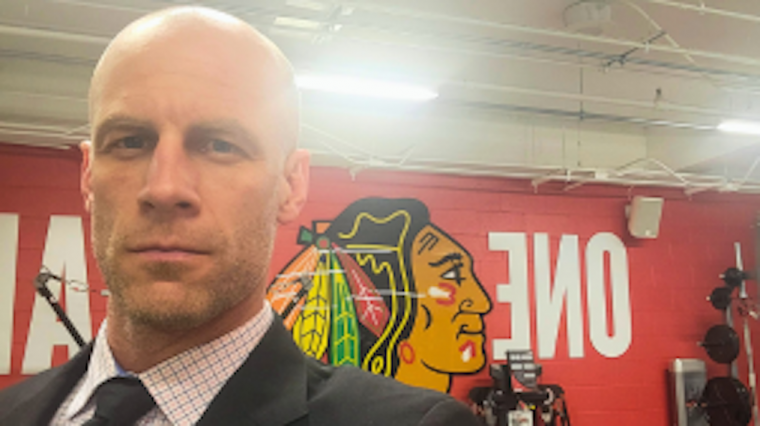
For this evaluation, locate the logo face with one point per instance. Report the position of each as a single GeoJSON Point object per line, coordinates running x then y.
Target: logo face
{"type": "Point", "coordinates": [383, 288]}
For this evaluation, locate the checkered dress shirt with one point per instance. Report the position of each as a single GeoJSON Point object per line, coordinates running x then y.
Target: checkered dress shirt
{"type": "Point", "coordinates": [182, 386]}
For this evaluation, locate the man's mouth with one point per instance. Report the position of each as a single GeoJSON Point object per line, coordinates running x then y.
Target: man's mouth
{"type": "Point", "coordinates": [166, 252]}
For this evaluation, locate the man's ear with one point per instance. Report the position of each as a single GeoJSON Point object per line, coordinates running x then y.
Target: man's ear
{"type": "Point", "coordinates": [296, 188]}
{"type": "Point", "coordinates": [84, 182]}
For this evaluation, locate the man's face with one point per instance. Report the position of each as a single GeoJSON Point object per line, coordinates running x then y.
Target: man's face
{"type": "Point", "coordinates": [448, 329]}
{"type": "Point", "coordinates": [185, 180]}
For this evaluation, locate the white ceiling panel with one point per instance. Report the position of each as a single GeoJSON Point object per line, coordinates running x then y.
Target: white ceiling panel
{"type": "Point", "coordinates": [631, 101]}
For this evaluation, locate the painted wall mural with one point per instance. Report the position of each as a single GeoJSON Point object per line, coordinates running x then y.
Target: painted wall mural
{"type": "Point", "coordinates": [605, 314]}
{"type": "Point", "coordinates": [383, 288]}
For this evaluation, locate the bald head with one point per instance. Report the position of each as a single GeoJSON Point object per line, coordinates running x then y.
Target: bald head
{"type": "Point", "coordinates": [191, 166]}
{"type": "Point", "coordinates": [198, 47]}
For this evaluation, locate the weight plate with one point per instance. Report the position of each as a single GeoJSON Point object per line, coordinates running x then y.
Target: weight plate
{"type": "Point", "coordinates": [721, 343]}
{"type": "Point", "coordinates": [721, 298]}
{"type": "Point", "coordinates": [733, 277]}
{"type": "Point", "coordinates": [726, 402]}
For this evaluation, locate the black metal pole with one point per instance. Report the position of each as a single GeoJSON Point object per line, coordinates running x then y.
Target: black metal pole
{"type": "Point", "coordinates": [40, 283]}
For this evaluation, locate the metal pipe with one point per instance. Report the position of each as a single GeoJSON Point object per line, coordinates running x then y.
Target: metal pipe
{"type": "Point", "coordinates": [56, 35]}
{"type": "Point", "coordinates": [528, 175]}
{"type": "Point", "coordinates": [749, 172]}
{"type": "Point", "coordinates": [657, 163]}
{"type": "Point", "coordinates": [702, 9]}
{"type": "Point", "coordinates": [84, 3]}
{"type": "Point", "coordinates": [520, 45]}
{"type": "Point", "coordinates": [502, 107]}
{"type": "Point", "coordinates": [579, 115]}
{"type": "Point", "coordinates": [33, 32]}
{"type": "Point", "coordinates": [542, 174]}
{"type": "Point", "coordinates": [29, 126]}
{"type": "Point", "coordinates": [751, 377]}
{"type": "Point", "coordinates": [41, 134]}
{"type": "Point", "coordinates": [546, 32]}
{"type": "Point", "coordinates": [623, 57]}
{"type": "Point", "coordinates": [43, 96]}
{"type": "Point", "coordinates": [50, 58]}
{"type": "Point", "coordinates": [684, 183]}
{"type": "Point", "coordinates": [657, 26]}
{"type": "Point", "coordinates": [664, 106]}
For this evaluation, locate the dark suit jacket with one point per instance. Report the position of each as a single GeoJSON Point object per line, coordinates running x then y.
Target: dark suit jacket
{"type": "Point", "coordinates": [276, 386]}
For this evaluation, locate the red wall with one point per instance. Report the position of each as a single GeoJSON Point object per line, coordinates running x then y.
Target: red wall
{"type": "Point", "coordinates": [669, 276]}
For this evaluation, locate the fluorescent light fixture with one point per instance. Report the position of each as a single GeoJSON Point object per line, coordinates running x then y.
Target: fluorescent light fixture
{"type": "Point", "coordinates": [307, 4]}
{"type": "Point", "coordinates": [737, 126]}
{"type": "Point", "coordinates": [305, 24]}
{"type": "Point", "coordinates": [365, 87]}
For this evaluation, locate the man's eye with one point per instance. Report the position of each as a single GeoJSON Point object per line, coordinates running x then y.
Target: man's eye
{"type": "Point", "coordinates": [221, 146]}
{"type": "Point", "coordinates": [131, 142]}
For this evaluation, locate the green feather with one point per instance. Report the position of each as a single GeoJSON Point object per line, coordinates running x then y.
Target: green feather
{"type": "Point", "coordinates": [344, 336]}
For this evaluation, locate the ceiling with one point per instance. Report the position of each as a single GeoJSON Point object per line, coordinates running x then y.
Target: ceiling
{"type": "Point", "coordinates": [629, 95]}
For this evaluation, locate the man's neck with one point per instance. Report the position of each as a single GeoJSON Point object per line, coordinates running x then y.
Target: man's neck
{"type": "Point", "coordinates": [137, 347]}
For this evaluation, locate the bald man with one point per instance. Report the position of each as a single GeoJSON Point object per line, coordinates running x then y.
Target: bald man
{"type": "Point", "coordinates": [191, 166]}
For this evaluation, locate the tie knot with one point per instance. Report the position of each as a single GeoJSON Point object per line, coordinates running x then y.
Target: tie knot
{"type": "Point", "coordinates": [120, 401]}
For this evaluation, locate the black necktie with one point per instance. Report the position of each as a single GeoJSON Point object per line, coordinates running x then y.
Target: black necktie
{"type": "Point", "coordinates": [120, 401]}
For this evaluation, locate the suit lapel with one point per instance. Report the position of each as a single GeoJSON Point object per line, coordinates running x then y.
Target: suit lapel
{"type": "Point", "coordinates": [269, 389]}
{"type": "Point", "coordinates": [48, 391]}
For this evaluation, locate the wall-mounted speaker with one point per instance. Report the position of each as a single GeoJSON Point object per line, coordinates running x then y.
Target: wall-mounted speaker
{"type": "Point", "coordinates": [644, 216]}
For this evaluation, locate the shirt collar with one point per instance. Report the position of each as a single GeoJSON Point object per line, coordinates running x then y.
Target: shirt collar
{"type": "Point", "coordinates": [101, 367]}
{"type": "Point", "coordinates": [182, 386]}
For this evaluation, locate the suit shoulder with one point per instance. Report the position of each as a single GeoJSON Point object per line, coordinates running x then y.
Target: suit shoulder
{"type": "Point", "coordinates": [47, 388]}
{"type": "Point", "coordinates": [349, 395]}
{"type": "Point", "coordinates": [17, 394]}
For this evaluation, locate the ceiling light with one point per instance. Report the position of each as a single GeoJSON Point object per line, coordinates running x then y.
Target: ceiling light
{"type": "Point", "coordinates": [736, 126]}
{"type": "Point", "coordinates": [305, 24]}
{"type": "Point", "coordinates": [365, 87]}
{"type": "Point", "coordinates": [307, 4]}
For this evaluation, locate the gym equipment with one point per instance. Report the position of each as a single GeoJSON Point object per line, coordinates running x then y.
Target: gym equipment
{"type": "Point", "coordinates": [744, 298]}
{"type": "Point", "coordinates": [40, 284]}
{"type": "Point", "coordinates": [524, 370]}
{"type": "Point", "coordinates": [721, 343]}
{"type": "Point", "coordinates": [721, 297]}
{"type": "Point", "coordinates": [733, 277]}
{"type": "Point", "coordinates": [686, 382]}
{"type": "Point", "coordinates": [516, 394]}
{"type": "Point", "coordinates": [726, 402]}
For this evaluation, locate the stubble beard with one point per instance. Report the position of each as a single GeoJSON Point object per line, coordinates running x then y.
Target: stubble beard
{"type": "Point", "coordinates": [241, 264]}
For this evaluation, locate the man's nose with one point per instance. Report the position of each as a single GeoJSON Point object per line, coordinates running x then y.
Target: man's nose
{"type": "Point", "coordinates": [171, 181]}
